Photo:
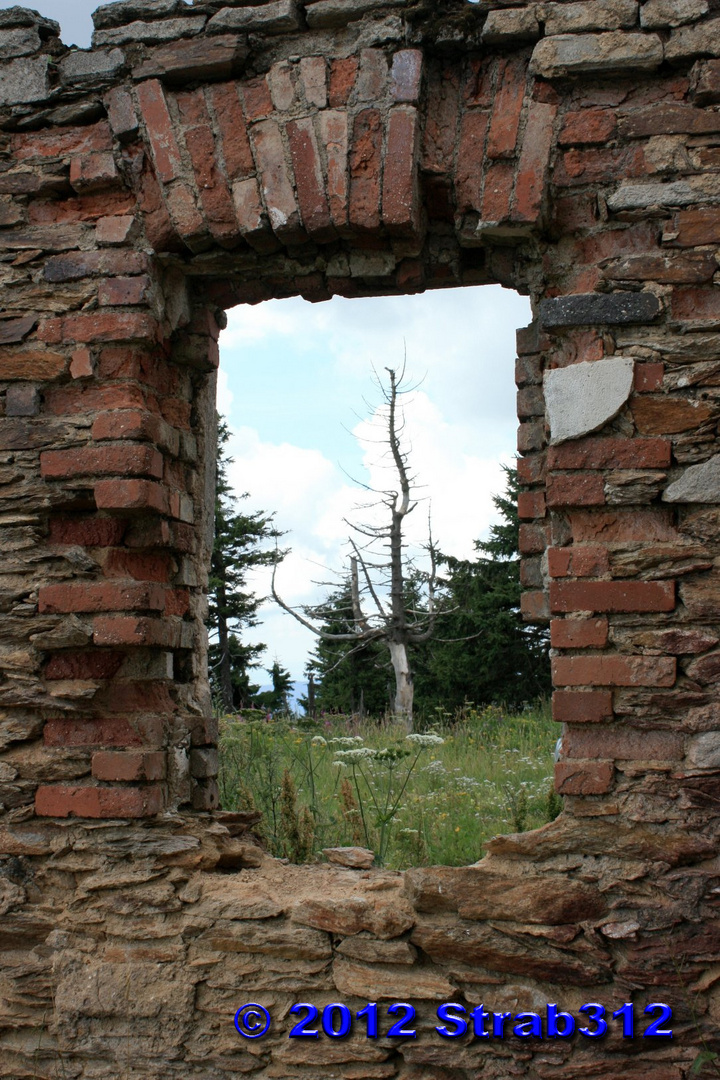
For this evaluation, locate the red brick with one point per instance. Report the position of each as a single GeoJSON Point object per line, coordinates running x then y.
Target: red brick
{"type": "Point", "coordinates": [534, 158]}
{"type": "Point", "coordinates": [479, 83]}
{"type": "Point", "coordinates": [534, 606]}
{"type": "Point", "coordinates": [581, 706]}
{"type": "Point", "coordinates": [620, 526]}
{"type": "Point", "coordinates": [406, 74]}
{"type": "Point", "coordinates": [604, 453]}
{"type": "Point", "coordinates": [92, 327]}
{"type": "Point", "coordinates": [74, 400]}
{"type": "Point", "coordinates": [313, 78]}
{"type": "Point", "coordinates": [578, 633]}
{"type": "Point", "coordinates": [668, 118]}
{"type": "Point", "coordinates": [83, 664]}
{"type": "Point", "coordinates": [691, 228]}
{"type": "Point", "coordinates": [233, 131]}
{"type": "Point", "coordinates": [588, 126]}
{"type": "Point", "coordinates": [531, 469]}
{"type": "Point", "coordinates": [82, 364]}
{"type": "Point", "coordinates": [32, 365]}
{"type": "Point", "coordinates": [177, 602]}
{"type": "Point", "coordinates": [400, 204]}
{"type": "Point", "coordinates": [186, 218]}
{"type": "Point", "coordinates": [215, 195]}
{"type": "Point", "coordinates": [63, 801]}
{"type": "Point", "coordinates": [155, 114]}
{"type": "Point", "coordinates": [648, 377]}
{"type": "Point", "coordinates": [115, 731]}
{"type": "Point", "coordinates": [93, 172]}
{"type": "Point", "coordinates": [342, 81]}
{"type": "Point", "coordinates": [139, 565]}
{"type": "Point", "coordinates": [132, 494]}
{"type": "Point", "coordinates": [674, 268]}
{"type": "Point", "coordinates": [277, 183]}
{"type": "Point", "coordinates": [583, 777]}
{"type": "Point", "coordinates": [87, 531]}
{"type": "Point", "coordinates": [309, 180]}
{"type": "Point", "coordinates": [159, 228]}
{"type": "Point", "coordinates": [598, 166]}
{"type": "Point", "coordinates": [365, 169]}
{"type": "Point", "coordinates": [371, 84]}
{"type": "Point", "coordinates": [141, 697]}
{"type": "Point", "coordinates": [101, 460]}
{"type": "Point", "coordinates": [622, 744]}
{"type": "Point", "coordinates": [531, 436]}
{"type": "Point", "coordinates": [129, 630]}
{"type": "Point", "coordinates": [614, 670]}
{"type": "Point", "coordinates": [334, 134]}
{"type": "Point", "coordinates": [75, 265]}
{"type": "Point", "coordinates": [617, 596]}
{"type": "Point", "coordinates": [256, 98]}
{"type": "Point", "coordinates": [497, 191]}
{"type": "Point", "coordinates": [507, 107]}
{"type": "Point", "coordinates": [573, 489]}
{"type": "Point", "coordinates": [533, 539]}
{"type": "Point", "coordinates": [136, 425]}
{"type": "Point", "coordinates": [119, 292]}
{"type": "Point", "coordinates": [59, 142]}
{"type": "Point", "coordinates": [665, 415]}
{"type": "Point", "coordinates": [470, 158]}
{"type": "Point", "coordinates": [531, 504]}
{"type": "Point", "coordinates": [103, 596]}
{"type": "Point", "coordinates": [441, 122]}
{"type": "Point", "coordinates": [116, 765]}
{"type": "Point", "coordinates": [696, 304]}
{"type": "Point", "coordinates": [583, 560]}
{"type": "Point", "coordinates": [252, 223]}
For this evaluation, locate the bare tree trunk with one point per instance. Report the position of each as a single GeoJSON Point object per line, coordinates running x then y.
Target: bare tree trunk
{"type": "Point", "coordinates": [403, 682]}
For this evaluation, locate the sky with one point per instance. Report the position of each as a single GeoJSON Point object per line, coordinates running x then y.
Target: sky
{"type": "Point", "coordinates": [297, 386]}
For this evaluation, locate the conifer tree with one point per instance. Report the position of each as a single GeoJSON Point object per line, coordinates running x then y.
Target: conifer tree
{"type": "Point", "coordinates": [232, 606]}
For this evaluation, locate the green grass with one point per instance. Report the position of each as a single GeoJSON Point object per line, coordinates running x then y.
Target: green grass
{"type": "Point", "coordinates": [412, 804]}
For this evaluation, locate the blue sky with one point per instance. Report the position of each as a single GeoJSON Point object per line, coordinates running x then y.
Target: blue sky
{"type": "Point", "coordinates": [294, 382]}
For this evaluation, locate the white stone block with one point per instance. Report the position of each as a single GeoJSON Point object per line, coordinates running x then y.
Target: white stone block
{"type": "Point", "coordinates": [583, 397]}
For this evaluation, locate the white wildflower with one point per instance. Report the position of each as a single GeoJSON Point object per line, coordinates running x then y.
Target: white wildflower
{"type": "Point", "coordinates": [425, 740]}
{"type": "Point", "coordinates": [318, 740]}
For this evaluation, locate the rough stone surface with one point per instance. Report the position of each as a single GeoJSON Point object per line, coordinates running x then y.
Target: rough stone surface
{"type": "Point", "coordinates": [93, 66]}
{"type": "Point", "coordinates": [583, 54]}
{"type": "Point", "coordinates": [659, 14]}
{"type": "Point", "coordinates": [23, 81]}
{"type": "Point", "coordinates": [698, 484]}
{"type": "Point", "coordinates": [582, 398]}
{"type": "Point", "coordinates": [586, 310]}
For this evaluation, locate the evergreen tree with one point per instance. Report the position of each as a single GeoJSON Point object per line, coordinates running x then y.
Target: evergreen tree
{"type": "Point", "coordinates": [232, 607]}
{"type": "Point", "coordinates": [277, 699]}
{"type": "Point", "coordinates": [349, 677]}
{"type": "Point", "coordinates": [484, 651]}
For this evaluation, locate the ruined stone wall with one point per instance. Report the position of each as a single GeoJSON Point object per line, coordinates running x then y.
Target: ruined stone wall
{"type": "Point", "coordinates": [205, 155]}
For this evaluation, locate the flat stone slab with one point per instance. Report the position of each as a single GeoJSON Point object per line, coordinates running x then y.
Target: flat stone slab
{"type": "Point", "coordinates": [698, 484]}
{"type": "Point", "coordinates": [599, 309]}
{"type": "Point", "coordinates": [583, 397]}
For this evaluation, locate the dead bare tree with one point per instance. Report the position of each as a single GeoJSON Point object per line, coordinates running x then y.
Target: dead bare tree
{"type": "Point", "coordinates": [381, 581]}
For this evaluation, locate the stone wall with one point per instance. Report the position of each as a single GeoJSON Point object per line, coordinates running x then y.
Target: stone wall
{"type": "Point", "coordinates": [221, 153]}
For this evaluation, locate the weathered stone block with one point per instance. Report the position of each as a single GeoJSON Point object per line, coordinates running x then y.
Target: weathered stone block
{"type": "Point", "coordinates": [580, 17]}
{"type": "Point", "coordinates": [128, 10]}
{"type": "Point", "coordinates": [688, 42]}
{"type": "Point", "coordinates": [596, 309]}
{"type": "Point", "coordinates": [24, 81]}
{"type": "Point", "coordinates": [698, 484]}
{"type": "Point", "coordinates": [510, 26]}
{"type": "Point", "coordinates": [273, 18]}
{"type": "Point", "coordinates": [583, 397]}
{"type": "Point", "coordinates": [659, 14]}
{"type": "Point", "coordinates": [328, 13]}
{"type": "Point", "coordinates": [23, 41]}
{"type": "Point", "coordinates": [581, 54]}
{"type": "Point", "coordinates": [150, 33]}
{"type": "Point", "coordinates": [91, 68]}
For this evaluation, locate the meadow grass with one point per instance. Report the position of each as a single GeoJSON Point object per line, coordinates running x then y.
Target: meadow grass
{"type": "Point", "coordinates": [430, 799]}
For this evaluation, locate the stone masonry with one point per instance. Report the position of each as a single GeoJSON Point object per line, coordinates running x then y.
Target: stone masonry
{"type": "Point", "coordinates": [223, 152]}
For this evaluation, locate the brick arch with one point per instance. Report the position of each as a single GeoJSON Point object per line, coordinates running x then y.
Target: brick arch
{"type": "Point", "coordinates": [199, 157]}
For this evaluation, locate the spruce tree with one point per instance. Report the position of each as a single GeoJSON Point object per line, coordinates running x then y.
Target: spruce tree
{"type": "Point", "coordinates": [232, 607]}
